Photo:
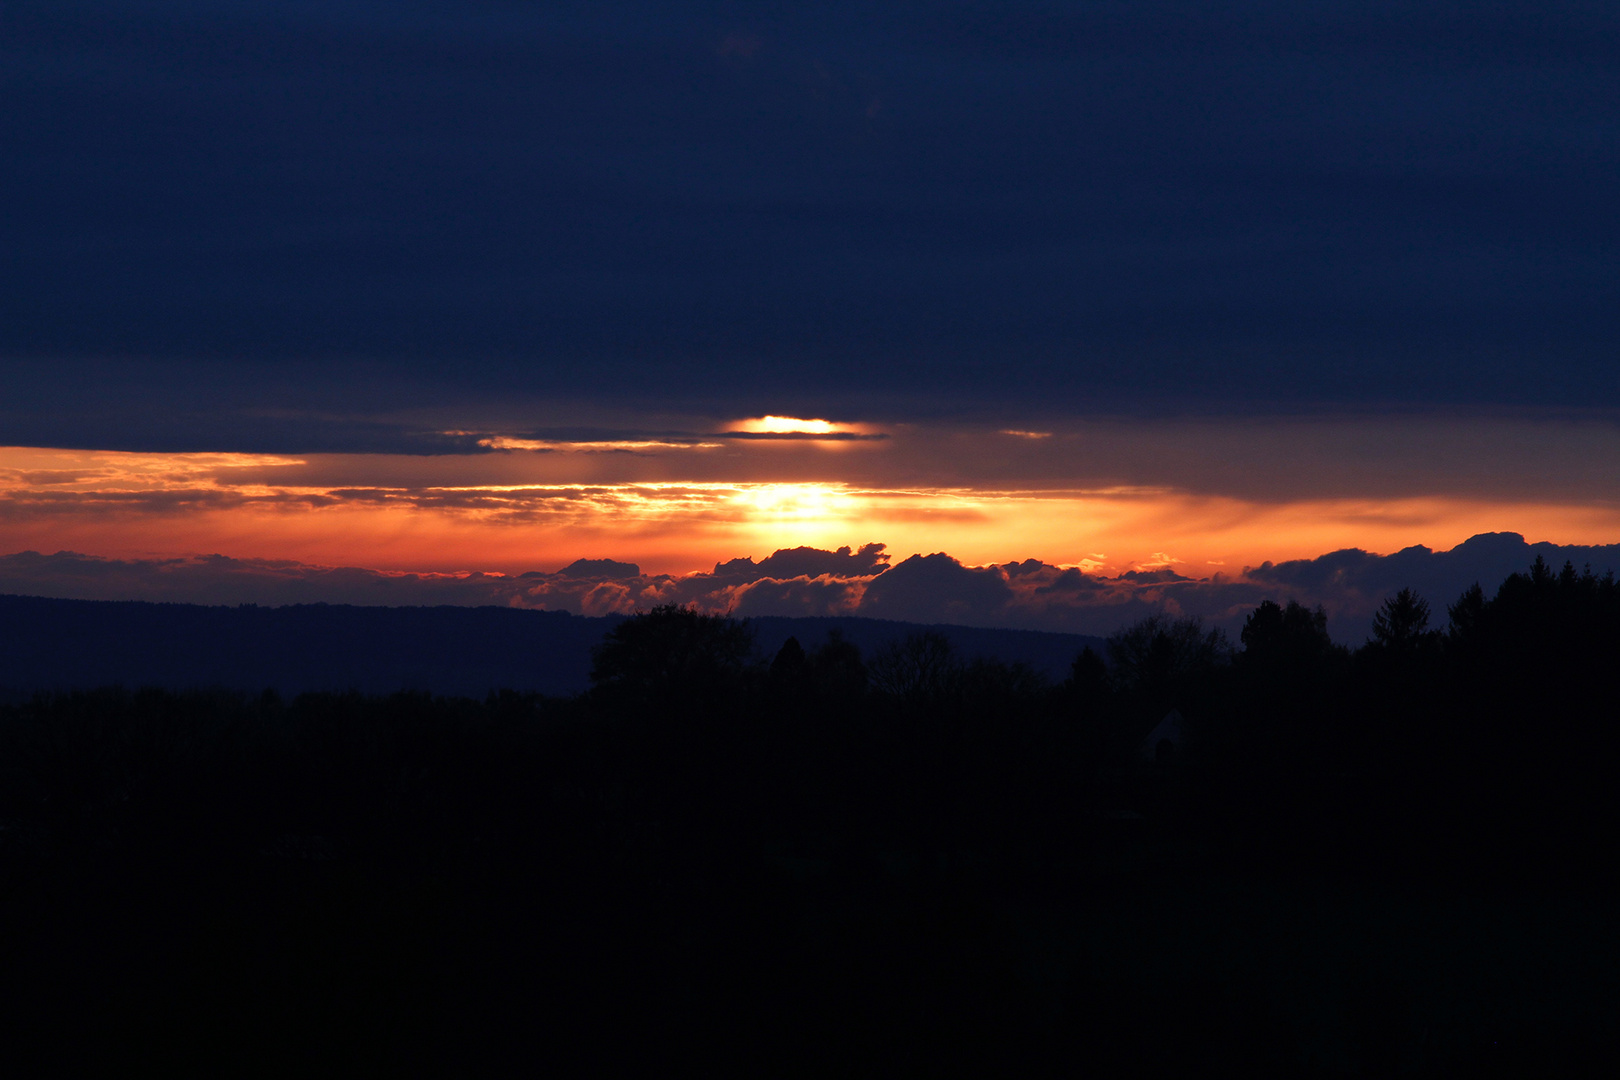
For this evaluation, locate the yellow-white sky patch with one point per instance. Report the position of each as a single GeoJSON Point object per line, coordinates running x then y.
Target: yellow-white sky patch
{"type": "Point", "coordinates": [786, 425]}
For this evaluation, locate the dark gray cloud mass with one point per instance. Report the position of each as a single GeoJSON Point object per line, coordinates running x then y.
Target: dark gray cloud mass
{"type": "Point", "coordinates": [807, 562]}
{"type": "Point", "coordinates": [283, 226]}
{"type": "Point", "coordinates": [609, 569]}
{"type": "Point", "coordinates": [936, 588]}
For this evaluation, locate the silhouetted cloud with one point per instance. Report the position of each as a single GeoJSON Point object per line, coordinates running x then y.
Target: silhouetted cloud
{"type": "Point", "coordinates": [1359, 581]}
{"type": "Point", "coordinates": [1153, 577]}
{"type": "Point", "coordinates": [824, 595]}
{"type": "Point", "coordinates": [935, 588]}
{"type": "Point", "coordinates": [808, 562]}
{"type": "Point", "coordinates": [595, 568]}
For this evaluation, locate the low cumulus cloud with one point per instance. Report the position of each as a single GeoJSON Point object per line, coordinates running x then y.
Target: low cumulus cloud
{"type": "Point", "coordinates": [938, 589]}
{"type": "Point", "coordinates": [798, 562]}
{"type": "Point", "coordinates": [935, 588]}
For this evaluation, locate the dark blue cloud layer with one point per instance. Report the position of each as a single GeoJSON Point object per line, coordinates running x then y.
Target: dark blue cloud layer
{"type": "Point", "coordinates": [936, 588]}
{"type": "Point", "coordinates": [1016, 206]}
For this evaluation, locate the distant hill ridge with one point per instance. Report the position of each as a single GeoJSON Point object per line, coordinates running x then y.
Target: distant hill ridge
{"type": "Point", "coordinates": [50, 644]}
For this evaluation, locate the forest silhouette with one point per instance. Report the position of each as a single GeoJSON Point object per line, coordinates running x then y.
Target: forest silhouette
{"type": "Point", "coordinates": [1278, 853]}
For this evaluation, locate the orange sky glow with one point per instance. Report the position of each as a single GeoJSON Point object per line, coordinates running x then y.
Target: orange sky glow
{"type": "Point", "coordinates": [671, 508]}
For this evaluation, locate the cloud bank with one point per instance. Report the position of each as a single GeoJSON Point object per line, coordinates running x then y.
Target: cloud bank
{"type": "Point", "coordinates": [806, 581]}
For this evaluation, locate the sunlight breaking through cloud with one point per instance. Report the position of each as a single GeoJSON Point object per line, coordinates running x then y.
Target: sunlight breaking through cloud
{"type": "Point", "coordinates": [787, 425]}
{"type": "Point", "coordinates": [672, 510]}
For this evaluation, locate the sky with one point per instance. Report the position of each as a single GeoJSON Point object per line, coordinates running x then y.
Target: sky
{"type": "Point", "coordinates": [421, 288]}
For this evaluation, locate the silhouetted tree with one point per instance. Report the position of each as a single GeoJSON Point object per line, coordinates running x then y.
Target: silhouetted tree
{"type": "Point", "coordinates": [790, 658]}
{"type": "Point", "coordinates": [921, 667]}
{"type": "Point", "coordinates": [802, 859]}
{"type": "Point", "coordinates": [1088, 676]}
{"type": "Point", "coordinates": [671, 648]}
{"type": "Point", "coordinates": [1466, 612]}
{"type": "Point", "coordinates": [1293, 635]}
{"type": "Point", "coordinates": [789, 678]}
{"type": "Point", "coordinates": [985, 679]}
{"type": "Point", "coordinates": [1161, 652]}
{"type": "Point", "coordinates": [837, 668]}
{"type": "Point", "coordinates": [1401, 625]}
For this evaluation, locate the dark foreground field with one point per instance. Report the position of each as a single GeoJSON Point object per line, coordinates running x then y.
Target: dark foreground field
{"type": "Point", "coordinates": [1396, 862]}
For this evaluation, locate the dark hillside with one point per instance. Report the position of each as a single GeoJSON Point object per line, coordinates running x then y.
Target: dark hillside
{"type": "Point", "coordinates": [48, 644]}
{"type": "Point", "coordinates": [1393, 861]}
{"type": "Point", "coordinates": [77, 644]}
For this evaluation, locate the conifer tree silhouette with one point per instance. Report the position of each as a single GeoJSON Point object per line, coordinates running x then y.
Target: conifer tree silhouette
{"type": "Point", "coordinates": [1401, 625]}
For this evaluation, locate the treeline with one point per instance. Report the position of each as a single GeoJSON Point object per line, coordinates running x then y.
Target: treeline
{"type": "Point", "coordinates": [1481, 746]}
{"type": "Point", "coordinates": [801, 863]}
{"type": "Point", "coordinates": [1481, 749]}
